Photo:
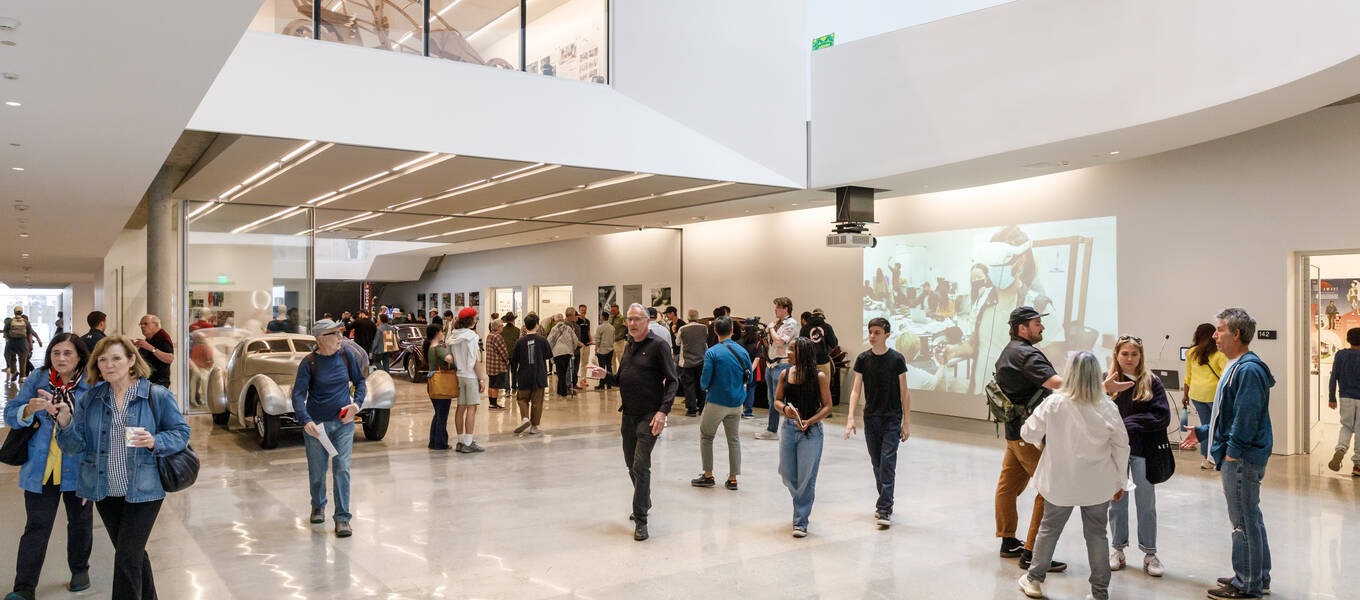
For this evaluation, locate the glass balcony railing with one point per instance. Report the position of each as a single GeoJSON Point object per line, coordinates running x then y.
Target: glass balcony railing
{"type": "Point", "coordinates": [561, 38]}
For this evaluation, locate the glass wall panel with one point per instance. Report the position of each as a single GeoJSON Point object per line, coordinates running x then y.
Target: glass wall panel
{"type": "Point", "coordinates": [383, 24]}
{"type": "Point", "coordinates": [288, 17]}
{"type": "Point", "coordinates": [568, 39]}
{"type": "Point", "coordinates": [481, 32]}
{"type": "Point", "coordinates": [248, 271]}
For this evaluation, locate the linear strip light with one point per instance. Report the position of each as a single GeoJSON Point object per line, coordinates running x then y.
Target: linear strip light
{"type": "Point", "coordinates": [283, 214]}
{"type": "Point", "coordinates": [448, 8]}
{"type": "Point", "coordinates": [204, 210]}
{"type": "Point", "coordinates": [404, 228]}
{"type": "Point", "coordinates": [455, 232]}
{"type": "Point", "coordinates": [287, 166]}
{"type": "Point", "coordinates": [641, 198]}
{"type": "Point", "coordinates": [414, 161]}
{"type": "Point", "coordinates": [493, 22]}
{"type": "Point", "coordinates": [274, 169]}
{"type": "Point", "coordinates": [363, 181]}
{"type": "Point", "coordinates": [341, 223]}
{"type": "Point", "coordinates": [230, 191]}
{"type": "Point", "coordinates": [321, 197]}
{"type": "Point", "coordinates": [297, 151]}
{"type": "Point", "coordinates": [482, 184]}
{"type": "Point", "coordinates": [384, 177]}
{"type": "Point", "coordinates": [589, 186]}
{"type": "Point", "coordinates": [261, 173]}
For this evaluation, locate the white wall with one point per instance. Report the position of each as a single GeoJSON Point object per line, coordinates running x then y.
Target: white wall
{"type": "Point", "coordinates": [1027, 74]}
{"type": "Point", "coordinates": [852, 20]}
{"type": "Point", "coordinates": [401, 101]}
{"type": "Point", "coordinates": [649, 257]}
{"type": "Point", "coordinates": [78, 302]}
{"type": "Point", "coordinates": [1199, 229]}
{"type": "Point", "coordinates": [128, 255]}
{"type": "Point", "coordinates": [732, 71]}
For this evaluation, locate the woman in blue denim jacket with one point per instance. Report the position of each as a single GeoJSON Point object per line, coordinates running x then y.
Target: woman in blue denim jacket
{"type": "Point", "coordinates": [49, 476]}
{"type": "Point", "coordinates": [114, 430]}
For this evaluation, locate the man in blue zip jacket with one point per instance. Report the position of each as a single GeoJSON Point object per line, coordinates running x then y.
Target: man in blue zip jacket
{"type": "Point", "coordinates": [1240, 441]}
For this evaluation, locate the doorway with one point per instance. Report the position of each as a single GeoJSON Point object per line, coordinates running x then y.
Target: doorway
{"type": "Point", "coordinates": [552, 299]}
{"type": "Point", "coordinates": [1333, 308]}
{"type": "Point", "coordinates": [506, 300]}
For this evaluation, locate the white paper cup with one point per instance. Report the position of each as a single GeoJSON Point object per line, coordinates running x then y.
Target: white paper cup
{"type": "Point", "coordinates": [130, 431]}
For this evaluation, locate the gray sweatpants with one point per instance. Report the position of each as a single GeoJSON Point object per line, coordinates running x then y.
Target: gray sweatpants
{"type": "Point", "coordinates": [1093, 521]}
{"type": "Point", "coordinates": [730, 418]}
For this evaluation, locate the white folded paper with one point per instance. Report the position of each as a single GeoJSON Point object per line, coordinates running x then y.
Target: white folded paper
{"type": "Point", "coordinates": [326, 442]}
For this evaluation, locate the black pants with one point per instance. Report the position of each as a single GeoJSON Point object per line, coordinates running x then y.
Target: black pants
{"type": "Point", "coordinates": [16, 357]}
{"type": "Point", "coordinates": [576, 358]}
{"type": "Point", "coordinates": [689, 382]}
{"type": "Point", "coordinates": [563, 364]}
{"type": "Point", "coordinates": [439, 425]}
{"type": "Point", "coordinates": [42, 514]}
{"type": "Point", "coordinates": [129, 525]}
{"type": "Point", "coordinates": [638, 442]}
{"type": "Point", "coordinates": [606, 363]}
{"type": "Point", "coordinates": [882, 435]}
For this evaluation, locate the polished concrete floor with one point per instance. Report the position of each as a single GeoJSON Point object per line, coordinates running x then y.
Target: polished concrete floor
{"type": "Point", "coordinates": [546, 517]}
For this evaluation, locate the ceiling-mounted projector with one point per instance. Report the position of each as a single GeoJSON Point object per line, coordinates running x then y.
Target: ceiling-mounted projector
{"type": "Point", "coordinates": [854, 214]}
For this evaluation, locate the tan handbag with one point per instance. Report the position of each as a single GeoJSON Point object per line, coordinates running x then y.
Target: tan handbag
{"type": "Point", "coordinates": [442, 385]}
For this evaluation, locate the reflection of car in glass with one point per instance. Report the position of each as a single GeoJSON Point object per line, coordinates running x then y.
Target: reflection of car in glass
{"type": "Point", "coordinates": [210, 346]}
{"type": "Point", "coordinates": [411, 353]}
{"type": "Point", "coordinates": [256, 383]}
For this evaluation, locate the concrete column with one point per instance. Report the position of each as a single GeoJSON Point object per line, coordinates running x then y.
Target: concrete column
{"type": "Point", "coordinates": [162, 252]}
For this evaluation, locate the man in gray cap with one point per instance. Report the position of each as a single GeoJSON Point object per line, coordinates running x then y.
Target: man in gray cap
{"type": "Point", "coordinates": [324, 404]}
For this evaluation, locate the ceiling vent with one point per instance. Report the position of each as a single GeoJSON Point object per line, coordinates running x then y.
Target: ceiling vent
{"type": "Point", "coordinates": [8, 24]}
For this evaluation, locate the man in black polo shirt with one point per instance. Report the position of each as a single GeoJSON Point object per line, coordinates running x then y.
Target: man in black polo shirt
{"type": "Point", "coordinates": [646, 379]}
{"type": "Point", "coordinates": [1021, 372]}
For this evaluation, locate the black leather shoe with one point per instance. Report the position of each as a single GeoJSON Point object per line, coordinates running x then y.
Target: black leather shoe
{"type": "Point", "coordinates": [640, 533]}
{"type": "Point", "coordinates": [1027, 557]}
{"type": "Point", "coordinates": [79, 582]}
{"type": "Point", "coordinates": [703, 481]}
{"type": "Point", "coordinates": [318, 515]}
{"type": "Point", "coordinates": [1230, 592]}
{"type": "Point", "coordinates": [342, 529]}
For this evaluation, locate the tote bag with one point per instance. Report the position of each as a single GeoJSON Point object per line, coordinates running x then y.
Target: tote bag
{"type": "Point", "coordinates": [1161, 462]}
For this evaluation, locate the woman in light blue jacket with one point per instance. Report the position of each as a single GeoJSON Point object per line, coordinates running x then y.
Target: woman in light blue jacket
{"type": "Point", "coordinates": [114, 430]}
{"type": "Point", "coordinates": [49, 476]}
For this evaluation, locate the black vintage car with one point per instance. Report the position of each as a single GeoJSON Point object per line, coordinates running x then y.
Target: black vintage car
{"type": "Point", "coordinates": [410, 354]}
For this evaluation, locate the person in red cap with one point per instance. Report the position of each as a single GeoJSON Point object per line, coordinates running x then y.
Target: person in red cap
{"type": "Point", "coordinates": [463, 344]}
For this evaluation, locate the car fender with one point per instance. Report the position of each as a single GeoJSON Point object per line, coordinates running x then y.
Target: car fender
{"type": "Point", "coordinates": [272, 396]}
{"type": "Point", "coordinates": [382, 392]}
{"type": "Point", "coordinates": [216, 391]}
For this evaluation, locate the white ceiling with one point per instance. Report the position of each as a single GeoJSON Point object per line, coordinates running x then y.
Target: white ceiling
{"type": "Point", "coordinates": [105, 89]}
{"type": "Point", "coordinates": [396, 195]}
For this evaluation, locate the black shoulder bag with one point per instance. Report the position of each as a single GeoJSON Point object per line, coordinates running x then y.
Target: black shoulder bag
{"type": "Point", "coordinates": [15, 449]}
{"type": "Point", "coordinates": [745, 367]}
{"type": "Point", "coordinates": [179, 470]}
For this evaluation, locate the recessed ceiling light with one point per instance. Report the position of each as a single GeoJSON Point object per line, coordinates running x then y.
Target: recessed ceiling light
{"type": "Point", "coordinates": [1114, 152]}
{"type": "Point", "coordinates": [23, 234]}
{"type": "Point", "coordinates": [12, 103]}
{"type": "Point", "coordinates": [25, 255]}
{"type": "Point", "coordinates": [795, 204]}
{"type": "Point", "coordinates": [16, 168]}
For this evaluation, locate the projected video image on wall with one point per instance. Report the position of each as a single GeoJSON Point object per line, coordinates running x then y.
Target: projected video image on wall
{"type": "Point", "coordinates": [948, 295]}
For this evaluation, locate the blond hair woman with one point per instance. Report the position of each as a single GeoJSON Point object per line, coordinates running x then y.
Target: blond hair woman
{"type": "Point", "coordinates": [1084, 463]}
{"type": "Point", "coordinates": [114, 422]}
{"type": "Point", "coordinates": [1146, 415]}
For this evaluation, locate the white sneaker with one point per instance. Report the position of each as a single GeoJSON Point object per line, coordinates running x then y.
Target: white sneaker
{"type": "Point", "coordinates": [534, 430]}
{"type": "Point", "coordinates": [765, 434]}
{"type": "Point", "coordinates": [1205, 465]}
{"type": "Point", "coordinates": [1117, 560]}
{"type": "Point", "coordinates": [1030, 587]}
{"type": "Point", "coordinates": [1152, 565]}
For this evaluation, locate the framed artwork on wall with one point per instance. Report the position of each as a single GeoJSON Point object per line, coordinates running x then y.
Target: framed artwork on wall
{"type": "Point", "coordinates": [609, 294]}
{"type": "Point", "coordinates": [474, 299]}
{"type": "Point", "coordinates": [458, 299]}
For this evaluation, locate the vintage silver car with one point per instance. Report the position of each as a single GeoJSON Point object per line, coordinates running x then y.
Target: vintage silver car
{"type": "Point", "coordinates": [254, 388]}
{"type": "Point", "coordinates": [209, 347]}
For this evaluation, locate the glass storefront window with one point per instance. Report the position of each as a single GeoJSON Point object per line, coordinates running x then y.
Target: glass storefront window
{"type": "Point", "coordinates": [393, 25]}
{"type": "Point", "coordinates": [561, 38]}
{"type": "Point", "coordinates": [480, 32]}
{"type": "Point", "coordinates": [288, 17]}
{"type": "Point", "coordinates": [568, 39]}
{"type": "Point", "coordinates": [248, 271]}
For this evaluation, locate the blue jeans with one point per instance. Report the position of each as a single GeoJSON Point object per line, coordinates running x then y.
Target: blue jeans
{"type": "Point", "coordinates": [1145, 496]}
{"type": "Point", "coordinates": [342, 436]}
{"type": "Point", "coordinates": [1250, 550]}
{"type": "Point", "coordinates": [883, 434]}
{"type": "Point", "coordinates": [800, 453]}
{"type": "Point", "coordinates": [772, 375]}
{"type": "Point", "coordinates": [382, 360]}
{"type": "Point", "coordinates": [1205, 410]}
{"type": "Point", "coordinates": [751, 402]}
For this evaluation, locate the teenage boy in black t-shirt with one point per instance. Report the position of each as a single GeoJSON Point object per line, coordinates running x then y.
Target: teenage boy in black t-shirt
{"type": "Point", "coordinates": [881, 377]}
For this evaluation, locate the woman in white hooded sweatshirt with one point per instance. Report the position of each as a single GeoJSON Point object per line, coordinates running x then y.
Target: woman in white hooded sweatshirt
{"type": "Point", "coordinates": [463, 344]}
{"type": "Point", "coordinates": [1086, 454]}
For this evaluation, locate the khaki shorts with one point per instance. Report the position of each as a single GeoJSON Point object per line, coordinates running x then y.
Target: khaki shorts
{"type": "Point", "coordinates": [467, 392]}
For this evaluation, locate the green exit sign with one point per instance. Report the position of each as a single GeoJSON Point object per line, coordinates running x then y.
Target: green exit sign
{"type": "Point", "coordinates": [222, 280]}
{"type": "Point", "coordinates": [825, 41]}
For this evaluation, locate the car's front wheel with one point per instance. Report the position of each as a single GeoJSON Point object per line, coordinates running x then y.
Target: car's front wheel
{"type": "Point", "coordinates": [375, 423]}
{"type": "Point", "coordinates": [221, 418]}
{"type": "Point", "coordinates": [267, 426]}
{"type": "Point", "coordinates": [412, 372]}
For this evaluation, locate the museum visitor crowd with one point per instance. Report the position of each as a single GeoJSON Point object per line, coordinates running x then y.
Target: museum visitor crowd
{"type": "Point", "coordinates": [1087, 438]}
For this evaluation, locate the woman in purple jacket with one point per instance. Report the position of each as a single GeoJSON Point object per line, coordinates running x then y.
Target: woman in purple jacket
{"type": "Point", "coordinates": [1146, 414]}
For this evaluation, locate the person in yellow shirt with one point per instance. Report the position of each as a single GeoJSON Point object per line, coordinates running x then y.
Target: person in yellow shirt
{"type": "Point", "coordinates": [48, 477]}
{"type": "Point", "coordinates": [1204, 364]}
